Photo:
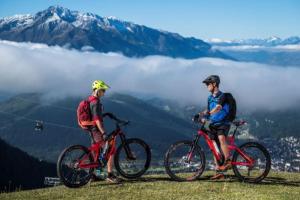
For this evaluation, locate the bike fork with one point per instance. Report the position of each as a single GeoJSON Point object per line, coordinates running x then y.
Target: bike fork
{"type": "Point", "coordinates": [127, 148]}
{"type": "Point", "coordinates": [190, 153]}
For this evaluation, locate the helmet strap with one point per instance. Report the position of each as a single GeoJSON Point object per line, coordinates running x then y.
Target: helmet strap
{"type": "Point", "coordinates": [214, 89]}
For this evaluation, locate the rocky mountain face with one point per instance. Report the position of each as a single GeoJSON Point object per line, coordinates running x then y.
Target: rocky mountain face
{"type": "Point", "coordinates": [86, 31]}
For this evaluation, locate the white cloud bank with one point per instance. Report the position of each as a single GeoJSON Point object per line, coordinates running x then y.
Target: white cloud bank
{"type": "Point", "coordinates": [26, 67]}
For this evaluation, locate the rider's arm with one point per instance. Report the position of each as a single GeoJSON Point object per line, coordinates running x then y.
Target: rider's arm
{"type": "Point", "coordinates": [219, 106]}
{"type": "Point", "coordinates": [96, 112]}
{"type": "Point", "coordinates": [100, 126]}
{"type": "Point", "coordinates": [216, 109]}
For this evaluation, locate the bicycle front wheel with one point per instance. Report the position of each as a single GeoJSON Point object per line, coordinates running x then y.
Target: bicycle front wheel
{"type": "Point", "coordinates": [132, 158]}
{"type": "Point", "coordinates": [260, 166]}
{"type": "Point", "coordinates": [184, 161]}
{"type": "Point", "coordinates": [68, 166]}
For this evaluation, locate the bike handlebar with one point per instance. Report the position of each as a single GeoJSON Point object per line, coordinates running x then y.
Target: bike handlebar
{"type": "Point", "coordinates": [118, 121]}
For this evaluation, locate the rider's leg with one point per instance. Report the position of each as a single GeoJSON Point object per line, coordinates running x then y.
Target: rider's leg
{"type": "Point", "coordinates": [111, 157]}
{"type": "Point", "coordinates": [213, 135]}
{"type": "Point", "coordinates": [217, 165]}
{"type": "Point", "coordinates": [219, 174]}
{"type": "Point", "coordinates": [96, 137]}
{"type": "Point", "coordinates": [111, 177]}
{"type": "Point", "coordinates": [110, 164]}
{"type": "Point", "coordinates": [224, 146]}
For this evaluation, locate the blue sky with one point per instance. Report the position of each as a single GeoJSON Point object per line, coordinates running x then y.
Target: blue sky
{"type": "Point", "coordinates": [225, 19]}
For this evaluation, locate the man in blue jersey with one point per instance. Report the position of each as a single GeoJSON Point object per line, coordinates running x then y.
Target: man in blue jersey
{"type": "Point", "coordinates": [216, 112]}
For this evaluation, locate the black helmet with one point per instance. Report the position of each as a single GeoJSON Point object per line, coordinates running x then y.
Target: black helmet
{"type": "Point", "coordinates": [212, 79]}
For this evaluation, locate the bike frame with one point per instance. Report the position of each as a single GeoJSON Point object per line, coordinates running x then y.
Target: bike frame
{"type": "Point", "coordinates": [95, 148]}
{"type": "Point", "coordinates": [217, 153]}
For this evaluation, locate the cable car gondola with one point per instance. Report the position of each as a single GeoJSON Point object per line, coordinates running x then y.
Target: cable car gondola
{"type": "Point", "coordinates": [39, 125]}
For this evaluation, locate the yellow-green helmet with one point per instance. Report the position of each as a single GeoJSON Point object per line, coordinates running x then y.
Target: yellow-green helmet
{"type": "Point", "coordinates": [98, 84]}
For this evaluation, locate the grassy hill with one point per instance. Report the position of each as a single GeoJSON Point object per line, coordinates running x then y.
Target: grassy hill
{"type": "Point", "coordinates": [276, 186]}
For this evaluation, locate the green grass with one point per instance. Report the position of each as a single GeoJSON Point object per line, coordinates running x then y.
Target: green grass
{"type": "Point", "coordinates": [276, 186]}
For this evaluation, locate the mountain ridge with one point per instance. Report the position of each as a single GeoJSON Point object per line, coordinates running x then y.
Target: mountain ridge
{"type": "Point", "coordinates": [61, 26]}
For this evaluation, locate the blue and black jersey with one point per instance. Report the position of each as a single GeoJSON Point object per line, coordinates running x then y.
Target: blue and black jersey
{"type": "Point", "coordinates": [213, 101]}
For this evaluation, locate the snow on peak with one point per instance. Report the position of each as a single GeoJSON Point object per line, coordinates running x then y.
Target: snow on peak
{"type": "Point", "coordinates": [112, 17]}
{"type": "Point", "coordinates": [54, 17]}
{"type": "Point", "coordinates": [19, 20]}
{"type": "Point", "coordinates": [129, 29]}
{"type": "Point", "coordinates": [267, 42]}
{"type": "Point", "coordinates": [75, 18]}
{"type": "Point", "coordinates": [59, 10]}
{"type": "Point", "coordinates": [17, 17]}
{"type": "Point", "coordinates": [86, 16]}
{"type": "Point", "coordinates": [274, 38]}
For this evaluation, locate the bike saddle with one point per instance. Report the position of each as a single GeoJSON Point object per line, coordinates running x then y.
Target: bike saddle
{"type": "Point", "coordinates": [239, 122]}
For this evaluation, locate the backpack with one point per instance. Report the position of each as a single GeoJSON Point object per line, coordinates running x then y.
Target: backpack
{"type": "Point", "coordinates": [229, 99]}
{"type": "Point", "coordinates": [84, 114]}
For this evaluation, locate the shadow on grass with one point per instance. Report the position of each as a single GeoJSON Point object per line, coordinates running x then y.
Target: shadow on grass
{"type": "Point", "coordinates": [266, 181]}
{"type": "Point", "coordinates": [133, 181]}
{"type": "Point", "coordinates": [229, 178]}
{"type": "Point", "coordinates": [280, 181]}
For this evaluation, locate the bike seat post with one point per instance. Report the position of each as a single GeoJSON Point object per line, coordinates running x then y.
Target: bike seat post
{"type": "Point", "coordinates": [231, 139]}
{"type": "Point", "coordinates": [234, 132]}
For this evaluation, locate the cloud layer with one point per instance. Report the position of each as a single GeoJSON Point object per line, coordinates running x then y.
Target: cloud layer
{"type": "Point", "coordinates": [59, 72]}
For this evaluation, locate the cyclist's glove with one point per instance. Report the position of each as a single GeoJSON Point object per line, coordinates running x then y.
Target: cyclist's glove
{"type": "Point", "coordinates": [196, 118]}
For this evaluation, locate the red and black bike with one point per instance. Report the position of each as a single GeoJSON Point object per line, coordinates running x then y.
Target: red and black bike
{"type": "Point", "coordinates": [185, 160]}
{"type": "Point", "coordinates": [77, 163]}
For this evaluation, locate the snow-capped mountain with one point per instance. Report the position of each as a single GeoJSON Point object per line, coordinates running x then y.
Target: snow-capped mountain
{"type": "Point", "coordinates": [267, 42]}
{"type": "Point", "coordinates": [272, 50]}
{"type": "Point", "coordinates": [60, 26]}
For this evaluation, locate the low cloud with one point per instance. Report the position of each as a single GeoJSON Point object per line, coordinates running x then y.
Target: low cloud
{"type": "Point", "coordinates": [59, 72]}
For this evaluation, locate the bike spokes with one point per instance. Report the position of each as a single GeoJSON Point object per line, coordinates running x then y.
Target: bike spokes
{"type": "Point", "coordinates": [252, 163]}
{"type": "Point", "coordinates": [133, 158]}
{"type": "Point", "coordinates": [70, 170]}
{"type": "Point", "coordinates": [184, 162]}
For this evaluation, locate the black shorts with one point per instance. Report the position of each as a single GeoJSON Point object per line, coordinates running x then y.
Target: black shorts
{"type": "Point", "coordinates": [221, 129]}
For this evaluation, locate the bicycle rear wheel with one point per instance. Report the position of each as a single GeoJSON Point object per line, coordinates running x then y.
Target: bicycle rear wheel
{"type": "Point", "coordinates": [68, 169]}
{"type": "Point", "coordinates": [132, 158]}
{"type": "Point", "coordinates": [262, 163]}
{"type": "Point", "coordinates": [184, 161]}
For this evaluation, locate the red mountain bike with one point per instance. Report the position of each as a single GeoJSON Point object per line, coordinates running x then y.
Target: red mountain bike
{"type": "Point", "coordinates": [185, 160]}
{"type": "Point", "coordinates": [77, 163]}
